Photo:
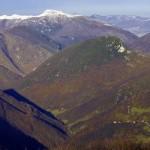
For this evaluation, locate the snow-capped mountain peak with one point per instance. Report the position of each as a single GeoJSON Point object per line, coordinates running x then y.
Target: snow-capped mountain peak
{"type": "Point", "coordinates": [15, 16]}
{"type": "Point", "coordinates": [55, 13]}
{"type": "Point", "coordinates": [49, 13]}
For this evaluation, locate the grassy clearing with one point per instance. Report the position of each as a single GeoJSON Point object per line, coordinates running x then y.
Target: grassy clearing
{"type": "Point", "coordinates": [58, 111]}
{"type": "Point", "coordinates": [139, 110]}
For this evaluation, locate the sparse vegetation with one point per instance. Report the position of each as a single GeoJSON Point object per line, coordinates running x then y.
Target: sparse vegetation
{"type": "Point", "coordinates": [82, 91]}
{"type": "Point", "coordinates": [140, 111]}
{"type": "Point", "coordinates": [98, 92]}
{"type": "Point", "coordinates": [107, 144]}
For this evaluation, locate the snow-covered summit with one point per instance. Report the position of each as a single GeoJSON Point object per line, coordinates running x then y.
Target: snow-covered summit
{"type": "Point", "coordinates": [15, 16]}
{"type": "Point", "coordinates": [55, 13]}
{"type": "Point", "coordinates": [49, 13]}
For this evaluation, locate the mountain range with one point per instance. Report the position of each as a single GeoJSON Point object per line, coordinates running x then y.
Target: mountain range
{"type": "Point", "coordinates": [47, 34]}
{"type": "Point", "coordinates": [52, 31]}
{"type": "Point", "coordinates": [140, 26]}
{"type": "Point", "coordinates": [73, 82]}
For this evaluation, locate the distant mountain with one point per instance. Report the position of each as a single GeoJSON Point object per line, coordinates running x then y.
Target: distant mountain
{"type": "Point", "coordinates": [135, 24]}
{"type": "Point", "coordinates": [28, 41]}
{"type": "Point", "coordinates": [146, 38]}
{"type": "Point", "coordinates": [51, 23]}
{"type": "Point", "coordinates": [73, 60]}
{"type": "Point", "coordinates": [142, 44]}
{"type": "Point", "coordinates": [20, 55]}
{"type": "Point", "coordinates": [8, 78]}
{"type": "Point", "coordinates": [98, 88]}
{"type": "Point", "coordinates": [24, 125]}
{"type": "Point", "coordinates": [15, 20]}
{"type": "Point", "coordinates": [66, 29]}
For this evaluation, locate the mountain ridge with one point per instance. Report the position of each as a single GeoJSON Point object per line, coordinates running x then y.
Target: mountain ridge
{"type": "Point", "coordinates": [135, 24]}
{"type": "Point", "coordinates": [48, 12]}
{"type": "Point", "coordinates": [47, 35]}
{"type": "Point", "coordinates": [99, 93]}
{"type": "Point", "coordinates": [31, 119]}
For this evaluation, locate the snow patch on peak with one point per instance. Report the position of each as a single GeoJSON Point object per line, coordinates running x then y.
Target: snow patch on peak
{"type": "Point", "coordinates": [55, 13]}
{"type": "Point", "coordinates": [49, 13]}
{"type": "Point", "coordinates": [15, 16]}
{"type": "Point", "coordinates": [121, 49]}
{"type": "Point", "coordinates": [106, 24]}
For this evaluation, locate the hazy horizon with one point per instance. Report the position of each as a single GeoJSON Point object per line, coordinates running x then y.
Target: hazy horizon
{"type": "Point", "coordinates": [84, 7]}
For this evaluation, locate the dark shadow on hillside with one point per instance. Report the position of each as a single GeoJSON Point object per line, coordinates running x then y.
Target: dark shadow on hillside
{"type": "Point", "coordinates": [19, 97]}
{"type": "Point", "coordinates": [13, 134]}
{"type": "Point", "coordinates": [13, 139]}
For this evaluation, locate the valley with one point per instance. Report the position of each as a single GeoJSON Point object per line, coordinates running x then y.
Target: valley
{"type": "Point", "coordinates": [74, 82]}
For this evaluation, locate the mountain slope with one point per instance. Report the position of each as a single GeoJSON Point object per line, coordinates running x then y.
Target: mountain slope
{"type": "Point", "coordinates": [26, 117]}
{"type": "Point", "coordinates": [37, 38]}
{"type": "Point", "coordinates": [76, 59]}
{"type": "Point", "coordinates": [17, 54]}
{"type": "Point", "coordinates": [142, 44]}
{"type": "Point", "coordinates": [146, 38]}
{"type": "Point", "coordinates": [12, 138]}
{"type": "Point", "coordinates": [8, 78]}
{"type": "Point", "coordinates": [99, 89]}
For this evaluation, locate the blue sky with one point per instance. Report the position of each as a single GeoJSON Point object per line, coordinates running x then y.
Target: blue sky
{"type": "Point", "coordinates": [130, 7]}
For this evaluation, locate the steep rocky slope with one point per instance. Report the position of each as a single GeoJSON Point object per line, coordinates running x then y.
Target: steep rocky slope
{"type": "Point", "coordinates": [30, 126]}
